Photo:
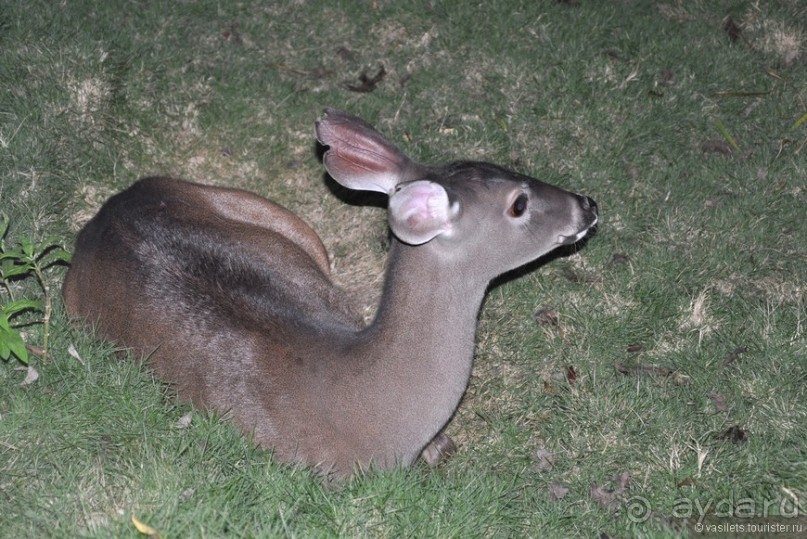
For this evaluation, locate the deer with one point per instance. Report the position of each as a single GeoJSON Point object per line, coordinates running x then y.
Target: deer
{"type": "Point", "coordinates": [229, 297]}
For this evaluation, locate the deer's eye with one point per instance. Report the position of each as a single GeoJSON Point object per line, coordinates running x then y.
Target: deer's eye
{"type": "Point", "coordinates": [519, 206]}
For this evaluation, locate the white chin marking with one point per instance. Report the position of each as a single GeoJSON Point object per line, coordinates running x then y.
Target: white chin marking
{"type": "Point", "coordinates": [573, 239]}
{"type": "Point", "coordinates": [580, 235]}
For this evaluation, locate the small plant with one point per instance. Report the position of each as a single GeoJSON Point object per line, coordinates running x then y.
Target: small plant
{"type": "Point", "coordinates": [27, 259]}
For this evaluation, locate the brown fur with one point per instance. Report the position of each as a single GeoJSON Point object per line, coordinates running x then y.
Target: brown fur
{"type": "Point", "coordinates": [230, 296]}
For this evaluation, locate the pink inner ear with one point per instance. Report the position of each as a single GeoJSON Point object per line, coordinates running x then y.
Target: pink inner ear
{"type": "Point", "coordinates": [419, 211]}
{"type": "Point", "coordinates": [424, 201]}
{"type": "Point", "coordinates": [358, 156]}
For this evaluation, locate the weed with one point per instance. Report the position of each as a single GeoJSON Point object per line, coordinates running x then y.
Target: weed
{"type": "Point", "coordinates": [27, 259]}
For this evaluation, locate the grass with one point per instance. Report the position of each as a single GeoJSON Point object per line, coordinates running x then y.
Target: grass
{"type": "Point", "coordinates": [671, 347]}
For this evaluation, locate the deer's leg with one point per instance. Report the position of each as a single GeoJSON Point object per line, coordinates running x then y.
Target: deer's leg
{"type": "Point", "coordinates": [439, 449]}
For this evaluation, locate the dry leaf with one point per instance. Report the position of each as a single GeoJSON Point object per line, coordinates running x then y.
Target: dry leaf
{"type": "Point", "coordinates": [31, 375]}
{"type": "Point", "coordinates": [36, 350]}
{"type": "Point", "coordinates": [735, 435]}
{"type": "Point", "coordinates": [734, 355]}
{"type": "Point", "coordinates": [614, 54]}
{"type": "Point", "coordinates": [366, 82]}
{"type": "Point", "coordinates": [345, 54]}
{"type": "Point", "coordinates": [634, 348]}
{"type": "Point", "coordinates": [641, 369]}
{"type": "Point", "coordinates": [546, 317]}
{"type": "Point", "coordinates": [580, 276]}
{"type": "Point", "coordinates": [233, 35]}
{"type": "Point", "coordinates": [661, 371]}
{"type": "Point", "coordinates": [185, 421]}
{"type": "Point", "coordinates": [731, 28]}
{"type": "Point", "coordinates": [72, 352]}
{"type": "Point", "coordinates": [686, 482]}
{"type": "Point", "coordinates": [618, 259]}
{"type": "Point", "coordinates": [719, 401]}
{"type": "Point", "coordinates": [571, 374]}
{"type": "Point", "coordinates": [144, 528]}
{"type": "Point", "coordinates": [716, 146]}
{"type": "Point", "coordinates": [680, 378]}
{"type": "Point", "coordinates": [667, 77]}
{"type": "Point", "coordinates": [610, 494]}
{"type": "Point", "coordinates": [545, 460]}
{"type": "Point", "coordinates": [557, 491]}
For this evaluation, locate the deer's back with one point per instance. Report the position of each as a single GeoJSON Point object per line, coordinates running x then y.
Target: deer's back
{"type": "Point", "coordinates": [213, 292]}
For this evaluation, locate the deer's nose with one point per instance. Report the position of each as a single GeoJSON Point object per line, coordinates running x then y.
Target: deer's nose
{"type": "Point", "coordinates": [588, 204]}
{"type": "Point", "coordinates": [589, 207]}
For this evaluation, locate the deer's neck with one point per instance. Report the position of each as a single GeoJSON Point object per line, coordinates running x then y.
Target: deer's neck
{"type": "Point", "coordinates": [417, 354]}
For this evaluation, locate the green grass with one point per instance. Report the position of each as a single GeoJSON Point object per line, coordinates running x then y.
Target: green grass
{"type": "Point", "coordinates": [687, 139]}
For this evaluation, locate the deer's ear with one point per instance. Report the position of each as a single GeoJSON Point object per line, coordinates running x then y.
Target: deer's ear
{"type": "Point", "coordinates": [419, 211]}
{"type": "Point", "coordinates": [358, 156]}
